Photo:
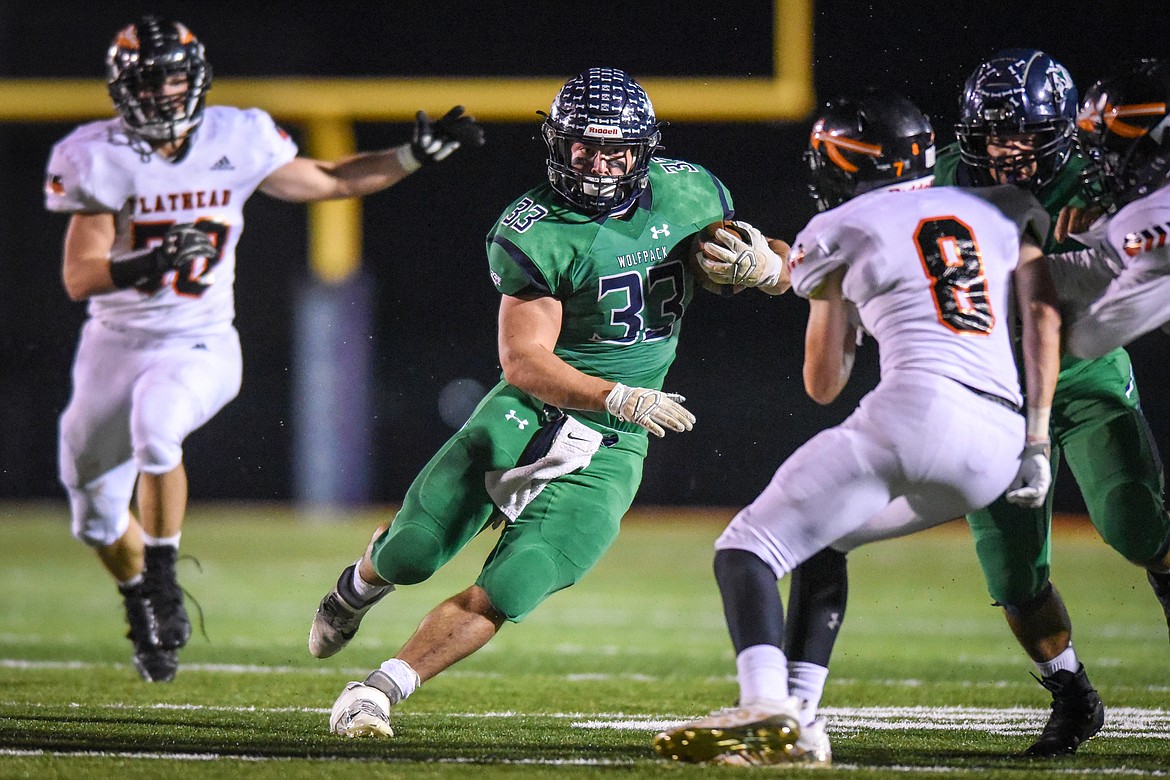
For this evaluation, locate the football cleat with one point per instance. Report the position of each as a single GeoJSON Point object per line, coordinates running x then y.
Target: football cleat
{"type": "Point", "coordinates": [764, 727]}
{"type": "Point", "coordinates": [153, 663]}
{"type": "Point", "coordinates": [172, 627]}
{"type": "Point", "coordinates": [811, 749]}
{"type": "Point", "coordinates": [336, 621]}
{"type": "Point", "coordinates": [1077, 714]}
{"type": "Point", "coordinates": [361, 711]}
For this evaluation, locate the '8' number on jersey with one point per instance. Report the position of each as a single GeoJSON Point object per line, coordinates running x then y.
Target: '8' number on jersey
{"type": "Point", "coordinates": [950, 257]}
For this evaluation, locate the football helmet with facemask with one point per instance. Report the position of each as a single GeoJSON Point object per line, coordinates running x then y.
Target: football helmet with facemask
{"type": "Point", "coordinates": [1124, 128]}
{"type": "Point", "coordinates": [1025, 95]}
{"type": "Point", "coordinates": [141, 64]}
{"type": "Point", "coordinates": [602, 107]}
{"type": "Point", "coordinates": [867, 142]}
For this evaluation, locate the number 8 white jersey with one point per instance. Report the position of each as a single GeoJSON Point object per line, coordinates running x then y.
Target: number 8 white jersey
{"type": "Point", "coordinates": [100, 168]}
{"type": "Point", "coordinates": [930, 273]}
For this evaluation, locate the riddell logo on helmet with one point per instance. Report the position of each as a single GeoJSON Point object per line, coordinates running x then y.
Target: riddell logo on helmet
{"type": "Point", "coordinates": [604, 131]}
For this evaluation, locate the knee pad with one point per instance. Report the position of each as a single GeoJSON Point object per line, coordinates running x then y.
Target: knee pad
{"type": "Point", "coordinates": [1139, 542]}
{"type": "Point", "coordinates": [517, 584]}
{"type": "Point", "coordinates": [407, 554]}
{"type": "Point", "coordinates": [99, 520]}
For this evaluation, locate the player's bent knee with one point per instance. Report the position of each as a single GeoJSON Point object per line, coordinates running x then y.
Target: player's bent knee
{"type": "Point", "coordinates": [407, 555]}
{"type": "Point", "coordinates": [158, 456]}
{"type": "Point", "coordinates": [1141, 542]}
{"type": "Point", "coordinates": [517, 585]}
{"type": "Point", "coordinates": [98, 521]}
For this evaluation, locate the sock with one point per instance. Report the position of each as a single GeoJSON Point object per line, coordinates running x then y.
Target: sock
{"type": "Point", "coordinates": [131, 583]}
{"type": "Point", "coordinates": [806, 681]}
{"type": "Point", "coordinates": [161, 541]}
{"type": "Point", "coordinates": [357, 592]}
{"type": "Point", "coordinates": [763, 674]}
{"type": "Point", "coordinates": [394, 678]}
{"type": "Point", "coordinates": [1066, 661]}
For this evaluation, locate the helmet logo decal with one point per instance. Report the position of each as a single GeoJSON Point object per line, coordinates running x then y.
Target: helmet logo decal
{"type": "Point", "coordinates": [834, 144]}
{"type": "Point", "coordinates": [602, 131]}
{"type": "Point", "coordinates": [1115, 115]}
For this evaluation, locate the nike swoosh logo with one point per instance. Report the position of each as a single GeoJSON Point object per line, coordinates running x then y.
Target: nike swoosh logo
{"type": "Point", "coordinates": [577, 438]}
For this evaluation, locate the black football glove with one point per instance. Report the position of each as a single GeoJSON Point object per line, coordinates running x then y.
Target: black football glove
{"type": "Point", "coordinates": [435, 141]}
{"type": "Point", "coordinates": [181, 245]}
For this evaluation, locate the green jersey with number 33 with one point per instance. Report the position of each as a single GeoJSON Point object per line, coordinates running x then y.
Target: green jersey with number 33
{"type": "Point", "coordinates": [623, 281]}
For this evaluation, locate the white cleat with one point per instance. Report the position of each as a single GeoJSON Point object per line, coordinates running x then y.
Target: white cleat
{"type": "Point", "coordinates": [762, 727]}
{"type": "Point", "coordinates": [336, 621]}
{"type": "Point", "coordinates": [812, 749]}
{"type": "Point", "coordinates": [361, 711]}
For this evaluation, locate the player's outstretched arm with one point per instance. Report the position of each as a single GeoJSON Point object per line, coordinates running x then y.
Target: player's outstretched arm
{"type": "Point", "coordinates": [304, 179]}
{"type": "Point", "coordinates": [528, 331]}
{"type": "Point", "coordinates": [830, 341]}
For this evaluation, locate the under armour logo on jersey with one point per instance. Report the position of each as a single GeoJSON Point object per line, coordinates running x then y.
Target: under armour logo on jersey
{"type": "Point", "coordinates": [520, 423]}
{"type": "Point", "coordinates": [655, 232]}
{"type": "Point", "coordinates": [834, 620]}
{"type": "Point", "coordinates": [223, 164]}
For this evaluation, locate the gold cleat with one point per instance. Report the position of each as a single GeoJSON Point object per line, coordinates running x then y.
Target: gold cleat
{"type": "Point", "coordinates": [811, 749]}
{"type": "Point", "coordinates": [765, 728]}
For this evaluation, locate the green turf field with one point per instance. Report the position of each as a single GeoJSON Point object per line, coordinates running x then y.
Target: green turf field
{"type": "Point", "coordinates": [926, 681]}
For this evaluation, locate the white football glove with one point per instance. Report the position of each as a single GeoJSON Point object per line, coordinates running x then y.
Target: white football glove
{"type": "Point", "coordinates": [654, 410]}
{"type": "Point", "coordinates": [729, 260]}
{"type": "Point", "coordinates": [1030, 487]}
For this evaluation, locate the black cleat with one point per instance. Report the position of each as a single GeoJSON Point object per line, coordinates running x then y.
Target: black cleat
{"type": "Point", "coordinates": [1077, 714]}
{"type": "Point", "coordinates": [172, 626]}
{"type": "Point", "coordinates": [154, 663]}
{"type": "Point", "coordinates": [1161, 585]}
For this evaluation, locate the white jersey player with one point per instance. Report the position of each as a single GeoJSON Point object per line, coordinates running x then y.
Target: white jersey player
{"type": "Point", "coordinates": [1119, 288]}
{"type": "Point", "coordinates": [932, 275]}
{"type": "Point", "coordinates": [156, 198]}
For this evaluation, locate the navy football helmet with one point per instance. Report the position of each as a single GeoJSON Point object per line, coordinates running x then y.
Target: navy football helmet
{"type": "Point", "coordinates": [1018, 92]}
{"type": "Point", "coordinates": [600, 107]}
{"type": "Point", "coordinates": [141, 59]}
{"type": "Point", "coordinates": [862, 143]}
{"type": "Point", "coordinates": [1124, 129]}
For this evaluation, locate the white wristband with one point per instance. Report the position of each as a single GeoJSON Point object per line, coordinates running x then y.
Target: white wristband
{"type": "Point", "coordinates": [406, 158]}
{"type": "Point", "coordinates": [1037, 423]}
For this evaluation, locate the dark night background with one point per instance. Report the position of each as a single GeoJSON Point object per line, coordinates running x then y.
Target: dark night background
{"type": "Point", "coordinates": [739, 362]}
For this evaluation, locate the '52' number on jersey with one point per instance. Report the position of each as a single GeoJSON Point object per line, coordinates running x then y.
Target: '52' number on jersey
{"type": "Point", "coordinates": [188, 279]}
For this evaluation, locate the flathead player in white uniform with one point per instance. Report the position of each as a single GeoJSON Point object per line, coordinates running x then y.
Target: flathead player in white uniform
{"type": "Point", "coordinates": [933, 275]}
{"type": "Point", "coordinates": [156, 197]}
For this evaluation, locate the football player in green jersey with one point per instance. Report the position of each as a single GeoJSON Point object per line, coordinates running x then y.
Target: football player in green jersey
{"type": "Point", "coordinates": [595, 269]}
{"type": "Point", "coordinates": [1017, 125]}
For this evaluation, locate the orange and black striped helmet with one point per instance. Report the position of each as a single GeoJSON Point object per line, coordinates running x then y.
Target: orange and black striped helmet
{"type": "Point", "coordinates": [1124, 128]}
{"type": "Point", "coordinates": [862, 143]}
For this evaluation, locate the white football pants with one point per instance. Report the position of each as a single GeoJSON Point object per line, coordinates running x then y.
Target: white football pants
{"type": "Point", "coordinates": [135, 399]}
{"type": "Point", "coordinates": [922, 439]}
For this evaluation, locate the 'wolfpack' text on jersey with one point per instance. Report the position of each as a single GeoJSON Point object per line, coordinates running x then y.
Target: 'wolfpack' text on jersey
{"type": "Point", "coordinates": [931, 287]}
{"type": "Point", "coordinates": [100, 168]}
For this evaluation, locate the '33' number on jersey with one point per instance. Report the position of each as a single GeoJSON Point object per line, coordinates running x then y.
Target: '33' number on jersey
{"type": "Point", "coordinates": [950, 257]}
{"type": "Point", "coordinates": [190, 280]}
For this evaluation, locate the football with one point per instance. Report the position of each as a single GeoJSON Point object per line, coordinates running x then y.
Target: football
{"type": "Point", "coordinates": [708, 233]}
{"type": "Point", "coordinates": [700, 240]}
